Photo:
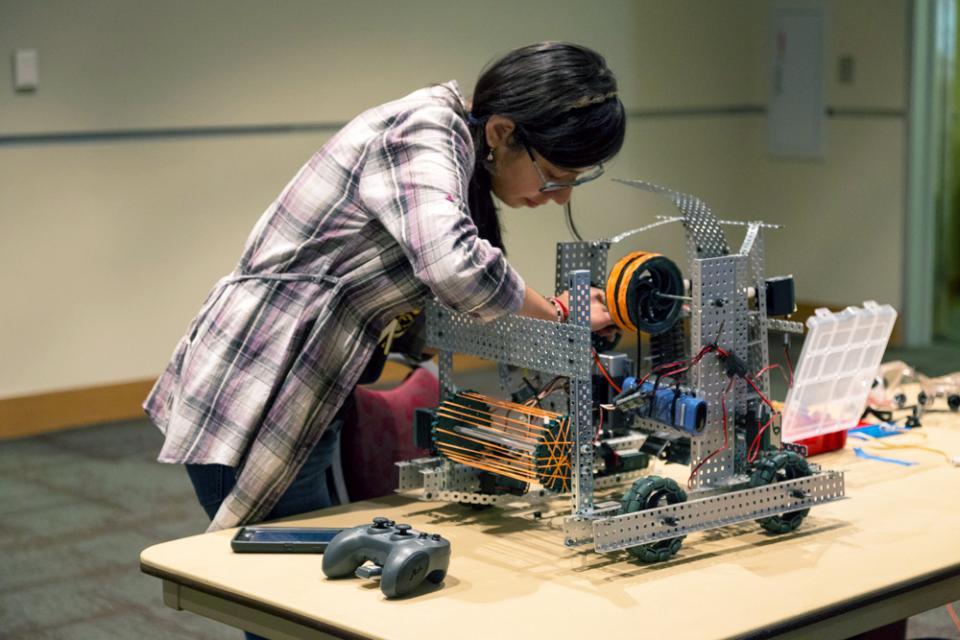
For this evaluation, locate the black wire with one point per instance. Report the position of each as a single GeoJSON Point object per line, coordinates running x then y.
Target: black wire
{"type": "Point", "coordinates": [536, 394]}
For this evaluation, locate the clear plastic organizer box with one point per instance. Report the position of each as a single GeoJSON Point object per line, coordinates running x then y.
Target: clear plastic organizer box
{"type": "Point", "coordinates": [839, 361]}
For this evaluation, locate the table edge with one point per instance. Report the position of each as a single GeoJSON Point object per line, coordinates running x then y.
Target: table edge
{"type": "Point", "coordinates": [252, 603]}
{"type": "Point", "coordinates": [850, 605]}
{"type": "Point", "coordinates": [787, 626]}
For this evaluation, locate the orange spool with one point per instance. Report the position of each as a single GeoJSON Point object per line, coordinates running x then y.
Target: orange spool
{"type": "Point", "coordinates": [617, 287]}
{"type": "Point", "coordinates": [631, 299]}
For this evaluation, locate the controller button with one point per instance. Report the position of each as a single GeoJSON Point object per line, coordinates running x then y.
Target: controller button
{"type": "Point", "coordinates": [403, 529]}
{"type": "Point", "coordinates": [381, 523]}
{"type": "Point", "coordinates": [423, 534]}
{"type": "Point", "coordinates": [436, 537]}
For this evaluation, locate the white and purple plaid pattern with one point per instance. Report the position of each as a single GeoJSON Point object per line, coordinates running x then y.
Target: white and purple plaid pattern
{"type": "Point", "coordinates": [372, 225]}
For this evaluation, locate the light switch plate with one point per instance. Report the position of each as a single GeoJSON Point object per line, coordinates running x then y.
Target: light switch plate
{"type": "Point", "coordinates": [26, 72]}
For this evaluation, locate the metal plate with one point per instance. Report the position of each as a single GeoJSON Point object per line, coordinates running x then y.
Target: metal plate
{"type": "Point", "coordinates": [538, 495]}
{"type": "Point", "coordinates": [624, 443]}
{"type": "Point", "coordinates": [445, 373]}
{"type": "Point", "coordinates": [574, 256]}
{"type": "Point", "coordinates": [578, 530]}
{"type": "Point", "coordinates": [642, 527]}
{"type": "Point", "coordinates": [719, 312]}
{"type": "Point", "coordinates": [649, 425]}
{"type": "Point", "coordinates": [606, 482]}
{"type": "Point", "coordinates": [551, 347]}
{"type": "Point", "coordinates": [705, 238]}
{"type": "Point", "coordinates": [581, 401]}
{"type": "Point", "coordinates": [759, 350]}
{"type": "Point", "coordinates": [784, 326]}
{"type": "Point", "coordinates": [410, 474]}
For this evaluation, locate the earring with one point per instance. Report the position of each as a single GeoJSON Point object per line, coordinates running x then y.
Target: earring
{"type": "Point", "coordinates": [490, 155]}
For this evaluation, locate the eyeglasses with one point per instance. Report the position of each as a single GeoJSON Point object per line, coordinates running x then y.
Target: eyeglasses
{"type": "Point", "coordinates": [548, 186]}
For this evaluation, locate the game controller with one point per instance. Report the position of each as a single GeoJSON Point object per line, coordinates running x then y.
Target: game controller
{"type": "Point", "coordinates": [402, 557]}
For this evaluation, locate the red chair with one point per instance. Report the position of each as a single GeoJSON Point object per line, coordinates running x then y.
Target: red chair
{"type": "Point", "coordinates": [379, 431]}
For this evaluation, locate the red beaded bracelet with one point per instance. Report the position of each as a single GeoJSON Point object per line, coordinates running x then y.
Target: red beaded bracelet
{"type": "Point", "coordinates": [562, 314]}
{"type": "Point", "coordinates": [566, 312]}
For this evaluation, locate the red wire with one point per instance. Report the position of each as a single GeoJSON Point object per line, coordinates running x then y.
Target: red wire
{"type": "Point", "coordinates": [659, 368]}
{"type": "Point", "coordinates": [759, 393]}
{"type": "Point", "coordinates": [723, 404]}
{"type": "Point", "coordinates": [756, 441]}
{"type": "Point", "coordinates": [606, 375]}
{"type": "Point", "coordinates": [751, 453]}
{"type": "Point", "coordinates": [774, 366]}
{"type": "Point", "coordinates": [786, 353]}
{"type": "Point", "coordinates": [599, 424]}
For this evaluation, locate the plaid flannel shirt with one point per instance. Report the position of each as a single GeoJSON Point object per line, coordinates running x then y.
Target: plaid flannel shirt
{"type": "Point", "coordinates": [373, 224]}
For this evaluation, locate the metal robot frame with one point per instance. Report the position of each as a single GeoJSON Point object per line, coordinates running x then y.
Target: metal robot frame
{"type": "Point", "coordinates": [721, 283]}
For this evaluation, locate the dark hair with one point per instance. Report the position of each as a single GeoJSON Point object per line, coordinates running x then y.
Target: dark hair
{"type": "Point", "coordinates": [563, 101]}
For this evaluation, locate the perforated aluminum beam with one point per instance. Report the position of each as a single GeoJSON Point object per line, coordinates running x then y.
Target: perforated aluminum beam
{"type": "Point", "coordinates": [642, 527]}
{"type": "Point", "coordinates": [550, 347]}
{"type": "Point", "coordinates": [784, 326]}
{"type": "Point", "coordinates": [581, 401]}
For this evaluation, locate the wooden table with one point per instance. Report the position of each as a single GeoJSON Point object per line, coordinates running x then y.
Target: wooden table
{"type": "Point", "coordinates": [888, 552]}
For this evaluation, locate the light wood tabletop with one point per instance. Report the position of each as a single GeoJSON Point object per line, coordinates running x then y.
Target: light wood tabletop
{"type": "Point", "coordinates": [889, 551]}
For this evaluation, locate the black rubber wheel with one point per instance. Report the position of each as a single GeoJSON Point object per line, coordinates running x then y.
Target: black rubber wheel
{"type": "Point", "coordinates": [778, 466]}
{"type": "Point", "coordinates": [953, 401]}
{"type": "Point", "coordinates": [649, 493]}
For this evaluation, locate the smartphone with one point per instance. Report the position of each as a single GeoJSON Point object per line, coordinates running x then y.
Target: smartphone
{"type": "Point", "coordinates": [282, 539]}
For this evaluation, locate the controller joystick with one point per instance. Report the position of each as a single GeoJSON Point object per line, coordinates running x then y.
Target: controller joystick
{"type": "Point", "coordinates": [402, 557]}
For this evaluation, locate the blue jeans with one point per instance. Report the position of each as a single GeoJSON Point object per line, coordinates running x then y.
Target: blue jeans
{"type": "Point", "coordinates": [309, 490]}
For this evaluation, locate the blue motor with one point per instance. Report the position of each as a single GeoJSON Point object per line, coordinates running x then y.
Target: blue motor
{"type": "Point", "coordinates": [671, 405]}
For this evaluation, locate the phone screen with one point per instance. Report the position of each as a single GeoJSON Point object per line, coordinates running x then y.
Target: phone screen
{"type": "Point", "coordinates": [289, 535]}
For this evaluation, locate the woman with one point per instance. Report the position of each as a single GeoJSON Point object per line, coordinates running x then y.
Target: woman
{"type": "Point", "coordinates": [395, 208]}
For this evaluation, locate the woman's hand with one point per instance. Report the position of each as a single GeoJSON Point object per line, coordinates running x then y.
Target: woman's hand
{"type": "Point", "coordinates": [600, 321]}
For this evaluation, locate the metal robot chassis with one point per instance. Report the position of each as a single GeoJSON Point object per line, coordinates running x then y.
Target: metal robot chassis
{"type": "Point", "coordinates": [719, 313]}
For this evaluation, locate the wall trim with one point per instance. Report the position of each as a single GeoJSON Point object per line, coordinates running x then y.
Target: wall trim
{"type": "Point", "coordinates": [56, 410]}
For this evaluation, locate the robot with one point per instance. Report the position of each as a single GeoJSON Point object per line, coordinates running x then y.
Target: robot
{"type": "Point", "coordinates": [582, 416]}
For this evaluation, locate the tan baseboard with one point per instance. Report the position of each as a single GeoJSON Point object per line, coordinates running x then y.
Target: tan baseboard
{"type": "Point", "coordinates": [44, 412]}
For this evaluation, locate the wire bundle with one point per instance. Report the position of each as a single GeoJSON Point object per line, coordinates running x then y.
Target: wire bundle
{"type": "Point", "coordinates": [505, 438]}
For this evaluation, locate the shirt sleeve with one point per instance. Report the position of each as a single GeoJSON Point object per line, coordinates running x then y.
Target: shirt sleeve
{"type": "Point", "coordinates": [415, 181]}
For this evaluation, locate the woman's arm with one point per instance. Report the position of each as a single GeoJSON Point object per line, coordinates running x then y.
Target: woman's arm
{"type": "Point", "coordinates": [536, 306]}
{"type": "Point", "coordinates": [415, 182]}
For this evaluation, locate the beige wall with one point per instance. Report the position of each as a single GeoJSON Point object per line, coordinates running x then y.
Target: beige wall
{"type": "Point", "coordinates": [844, 214]}
{"type": "Point", "coordinates": [108, 248]}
